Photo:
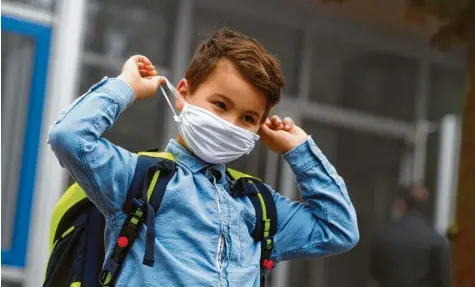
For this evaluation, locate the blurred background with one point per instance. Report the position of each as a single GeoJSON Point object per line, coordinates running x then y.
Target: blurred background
{"type": "Point", "coordinates": [382, 104]}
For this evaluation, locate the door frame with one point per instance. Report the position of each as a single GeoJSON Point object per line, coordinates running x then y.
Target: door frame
{"type": "Point", "coordinates": [41, 34]}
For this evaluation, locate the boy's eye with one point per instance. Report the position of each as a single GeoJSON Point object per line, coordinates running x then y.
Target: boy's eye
{"type": "Point", "coordinates": [249, 119]}
{"type": "Point", "coordinates": [220, 105]}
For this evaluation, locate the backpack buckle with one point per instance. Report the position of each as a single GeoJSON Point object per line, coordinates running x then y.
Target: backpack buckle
{"type": "Point", "coordinates": [137, 203]}
{"type": "Point", "coordinates": [139, 211]}
{"type": "Point", "coordinates": [266, 253]}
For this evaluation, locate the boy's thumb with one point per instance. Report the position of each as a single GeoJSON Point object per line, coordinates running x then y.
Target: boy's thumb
{"type": "Point", "coordinates": [265, 132]}
{"type": "Point", "coordinates": [158, 81]}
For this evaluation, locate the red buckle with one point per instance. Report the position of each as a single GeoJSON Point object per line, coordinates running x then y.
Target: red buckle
{"type": "Point", "coordinates": [122, 241]}
{"type": "Point", "coordinates": [268, 264]}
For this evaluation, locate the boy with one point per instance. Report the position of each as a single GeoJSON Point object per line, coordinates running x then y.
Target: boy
{"type": "Point", "coordinates": [203, 234]}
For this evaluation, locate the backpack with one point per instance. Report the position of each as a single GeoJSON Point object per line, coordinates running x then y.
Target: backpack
{"type": "Point", "coordinates": [76, 241]}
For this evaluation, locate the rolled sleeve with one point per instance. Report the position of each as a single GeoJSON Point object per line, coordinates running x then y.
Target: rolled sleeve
{"type": "Point", "coordinates": [101, 168]}
{"type": "Point", "coordinates": [118, 90]}
{"type": "Point", "coordinates": [303, 156]}
{"type": "Point", "coordinates": [325, 222]}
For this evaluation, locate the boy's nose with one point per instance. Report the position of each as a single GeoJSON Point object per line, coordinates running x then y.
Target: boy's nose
{"type": "Point", "coordinates": [234, 119]}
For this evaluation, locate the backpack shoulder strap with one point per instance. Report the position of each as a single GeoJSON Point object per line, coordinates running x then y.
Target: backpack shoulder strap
{"type": "Point", "coordinates": [261, 198]}
{"type": "Point", "coordinates": [158, 154]}
{"type": "Point", "coordinates": [147, 160]}
{"type": "Point", "coordinates": [73, 195]}
{"type": "Point", "coordinates": [266, 214]}
{"type": "Point", "coordinates": [153, 172]}
{"type": "Point", "coordinates": [236, 175]}
{"type": "Point", "coordinates": [162, 175]}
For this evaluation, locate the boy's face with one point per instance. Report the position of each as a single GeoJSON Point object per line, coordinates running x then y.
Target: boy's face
{"type": "Point", "coordinates": [226, 93]}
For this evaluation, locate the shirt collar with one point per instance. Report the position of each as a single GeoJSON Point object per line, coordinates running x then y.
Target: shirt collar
{"type": "Point", "coordinates": [184, 157]}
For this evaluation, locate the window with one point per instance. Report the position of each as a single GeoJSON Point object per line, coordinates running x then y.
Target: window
{"type": "Point", "coordinates": [120, 29]}
{"type": "Point", "coordinates": [140, 127]}
{"type": "Point", "coordinates": [370, 165]}
{"type": "Point", "coordinates": [10, 284]}
{"type": "Point", "coordinates": [115, 31]}
{"type": "Point", "coordinates": [42, 4]}
{"type": "Point", "coordinates": [282, 41]}
{"type": "Point", "coordinates": [365, 80]}
{"type": "Point", "coordinates": [448, 88]}
{"type": "Point", "coordinates": [25, 53]}
{"type": "Point", "coordinates": [15, 99]}
{"type": "Point", "coordinates": [447, 93]}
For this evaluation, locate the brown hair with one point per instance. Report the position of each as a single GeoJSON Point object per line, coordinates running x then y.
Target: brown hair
{"type": "Point", "coordinates": [249, 56]}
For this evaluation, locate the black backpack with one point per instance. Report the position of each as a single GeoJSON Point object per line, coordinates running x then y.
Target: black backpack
{"type": "Point", "coordinates": [77, 228]}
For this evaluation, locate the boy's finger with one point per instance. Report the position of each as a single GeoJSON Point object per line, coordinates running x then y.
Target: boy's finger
{"type": "Point", "coordinates": [274, 118]}
{"type": "Point", "coordinates": [158, 80]}
{"type": "Point", "coordinates": [265, 131]}
{"type": "Point", "coordinates": [288, 123]}
{"type": "Point", "coordinates": [141, 59]}
{"type": "Point", "coordinates": [152, 73]}
{"type": "Point", "coordinates": [142, 66]}
{"type": "Point", "coordinates": [276, 122]}
{"type": "Point", "coordinates": [268, 123]}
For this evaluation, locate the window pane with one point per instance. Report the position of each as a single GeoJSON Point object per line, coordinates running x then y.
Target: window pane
{"type": "Point", "coordinates": [140, 127]}
{"type": "Point", "coordinates": [43, 4]}
{"type": "Point", "coordinates": [5, 283]}
{"type": "Point", "coordinates": [120, 29]}
{"type": "Point", "coordinates": [447, 94]}
{"type": "Point", "coordinates": [17, 63]}
{"type": "Point", "coordinates": [307, 273]}
{"type": "Point", "coordinates": [282, 41]}
{"type": "Point", "coordinates": [370, 165]}
{"type": "Point", "coordinates": [432, 168]}
{"type": "Point", "coordinates": [448, 87]}
{"type": "Point", "coordinates": [364, 80]}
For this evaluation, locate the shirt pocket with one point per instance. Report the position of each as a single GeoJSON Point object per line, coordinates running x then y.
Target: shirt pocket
{"type": "Point", "coordinates": [249, 250]}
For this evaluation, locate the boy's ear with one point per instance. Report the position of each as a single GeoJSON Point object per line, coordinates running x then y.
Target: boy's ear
{"type": "Point", "coordinates": [183, 90]}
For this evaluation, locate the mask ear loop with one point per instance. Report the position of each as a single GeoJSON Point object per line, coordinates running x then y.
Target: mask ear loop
{"type": "Point", "coordinates": [170, 86]}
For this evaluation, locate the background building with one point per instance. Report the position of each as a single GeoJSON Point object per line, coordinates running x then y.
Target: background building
{"type": "Point", "coordinates": [380, 102]}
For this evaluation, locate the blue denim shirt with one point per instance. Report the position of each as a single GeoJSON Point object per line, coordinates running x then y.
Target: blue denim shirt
{"type": "Point", "coordinates": [202, 233]}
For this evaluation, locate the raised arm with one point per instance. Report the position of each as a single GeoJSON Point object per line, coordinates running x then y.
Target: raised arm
{"type": "Point", "coordinates": [101, 168]}
{"type": "Point", "coordinates": [326, 222]}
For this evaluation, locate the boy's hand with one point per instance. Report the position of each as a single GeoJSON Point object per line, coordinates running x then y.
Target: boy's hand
{"type": "Point", "coordinates": [281, 136]}
{"type": "Point", "coordinates": [139, 73]}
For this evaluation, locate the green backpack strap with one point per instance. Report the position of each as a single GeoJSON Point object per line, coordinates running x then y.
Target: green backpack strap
{"type": "Point", "coordinates": [153, 172]}
{"type": "Point", "coordinates": [73, 195]}
{"type": "Point", "coordinates": [158, 154]}
{"type": "Point", "coordinates": [266, 214]}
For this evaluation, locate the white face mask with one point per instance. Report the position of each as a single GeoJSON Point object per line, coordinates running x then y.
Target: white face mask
{"type": "Point", "coordinates": [210, 137]}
